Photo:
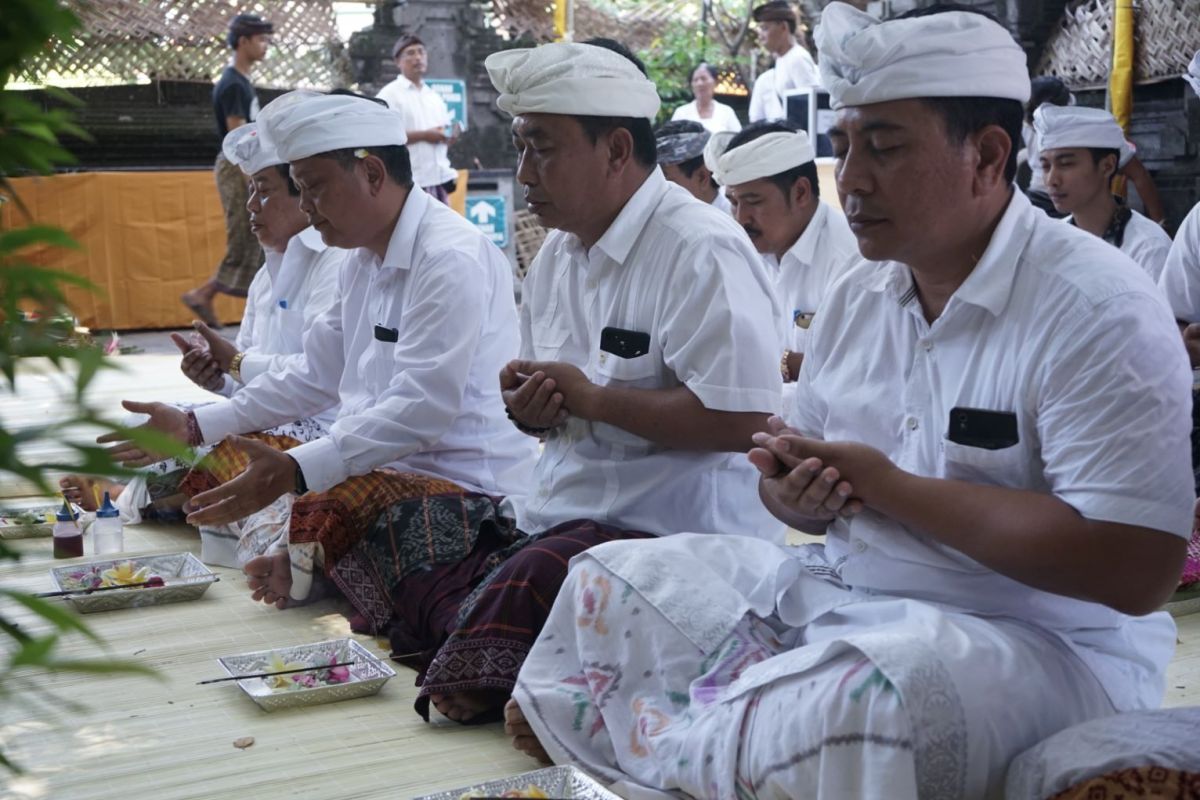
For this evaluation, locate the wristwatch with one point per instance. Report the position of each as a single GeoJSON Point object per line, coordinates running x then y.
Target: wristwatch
{"type": "Point", "coordinates": [301, 484]}
{"type": "Point", "coordinates": [235, 367]}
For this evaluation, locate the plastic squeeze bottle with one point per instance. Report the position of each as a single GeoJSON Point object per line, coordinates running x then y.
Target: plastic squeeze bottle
{"type": "Point", "coordinates": [68, 535]}
{"type": "Point", "coordinates": [108, 532]}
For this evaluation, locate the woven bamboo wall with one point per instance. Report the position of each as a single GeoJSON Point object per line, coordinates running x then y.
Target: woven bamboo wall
{"type": "Point", "coordinates": [1079, 51]}
{"type": "Point", "coordinates": [133, 41]}
{"type": "Point", "coordinates": [636, 28]}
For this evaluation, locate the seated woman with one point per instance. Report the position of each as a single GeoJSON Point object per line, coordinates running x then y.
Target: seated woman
{"type": "Point", "coordinates": [295, 286]}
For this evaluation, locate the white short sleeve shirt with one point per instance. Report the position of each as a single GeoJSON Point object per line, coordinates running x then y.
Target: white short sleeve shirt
{"type": "Point", "coordinates": [1061, 334]}
{"type": "Point", "coordinates": [422, 109]}
{"type": "Point", "coordinates": [723, 117]}
{"type": "Point", "coordinates": [1180, 279]}
{"type": "Point", "coordinates": [684, 274]}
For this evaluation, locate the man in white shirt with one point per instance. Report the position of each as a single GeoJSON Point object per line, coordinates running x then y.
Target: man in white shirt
{"type": "Point", "coordinates": [423, 321]}
{"type": "Point", "coordinates": [770, 174]}
{"type": "Point", "coordinates": [1080, 150]}
{"type": "Point", "coordinates": [997, 540]}
{"type": "Point", "coordinates": [426, 119]}
{"type": "Point", "coordinates": [647, 355]}
{"type": "Point", "coordinates": [680, 150]}
{"type": "Point", "coordinates": [296, 285]}
{"type": "Point", "coordinates": [764, 103]}
{"type": "Point", "coordinates": [794, 67]}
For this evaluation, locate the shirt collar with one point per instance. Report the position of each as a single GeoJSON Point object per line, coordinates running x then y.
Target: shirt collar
{"type": "Point", "coordinates": [805, 248]}
{"type": "Point", "coordinates": [310, 237]}
{"type": "Point", "coordinates": [989, 285]}
{"type": "Point", "coordinates": [618, 240]}
{"type": "Point", "coordinates": [403, 244]}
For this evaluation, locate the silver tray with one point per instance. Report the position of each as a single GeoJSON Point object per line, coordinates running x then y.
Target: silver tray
{"type": "Point", "coordinates": [29, 522]}
{"type": "Point", "coordinates": [367, 675]}
{"type": "Point", "coordinates": [186, 578]}
{"type": "Point", "coordinates": [556, 782]}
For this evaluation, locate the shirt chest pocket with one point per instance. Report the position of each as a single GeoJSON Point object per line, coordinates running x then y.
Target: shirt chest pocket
{"type": "Point", "coordinates": [1008, 466]}
{"type": "Point", "coordinates": [547, 341]}
{"type": "Point", "coordinates": [617, 371]}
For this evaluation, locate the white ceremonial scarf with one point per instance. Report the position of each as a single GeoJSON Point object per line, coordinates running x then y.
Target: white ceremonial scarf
{"type": "Point", "coordinates": [951, 54]}
{"type": "Point", "coordinates": [244, 147]}
{"type": "Point", "coordinates": [571, 78]}
{"type": "Point", "coordinates": [302, 123]}
{"type": "Point", "coordinates": [1078, 126]}
{"type": "Point", "coordinates": [769, 154]}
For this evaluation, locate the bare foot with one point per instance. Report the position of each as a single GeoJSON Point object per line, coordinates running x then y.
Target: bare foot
{"type": "Point", "coordinates": [466, 706]}
{"type": "Point", "coordinates": [521, 733]}
{"type": "Point", "coordinates": [83, 490]}
{"type": "Point", "coordinates": [270, 578]}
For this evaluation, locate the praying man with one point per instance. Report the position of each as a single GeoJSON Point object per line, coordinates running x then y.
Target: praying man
{"type": "Point", "coordinates": [990, 429]}
{"type": "Point", "coordinates": [680, 151]}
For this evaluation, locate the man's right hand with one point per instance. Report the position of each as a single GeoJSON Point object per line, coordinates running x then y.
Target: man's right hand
{"type": "Point", "coordinates": [198, 364]}
{"type": "Point", "coordinates": [805, 487]}
{"type": "Point", "coordinates": [531, 399]}
{"type": "Point", "coordinates": [164, 418]}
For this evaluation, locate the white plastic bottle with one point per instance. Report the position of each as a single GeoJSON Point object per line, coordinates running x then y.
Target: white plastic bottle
{"type": "Point", "coordinates": [108, 532]}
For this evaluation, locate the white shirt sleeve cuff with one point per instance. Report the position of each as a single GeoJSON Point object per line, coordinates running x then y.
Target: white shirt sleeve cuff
{"type": "Point", "coordinates": [216, 420]}
{"type": "Point", "coordinates": [721, 398]}
{"type": "Point", "coordinates": [253, 365]}
{"type": "Point", "coordinates": [321, 464]}
{"type": "Point", "coordinates": [1105, 507]}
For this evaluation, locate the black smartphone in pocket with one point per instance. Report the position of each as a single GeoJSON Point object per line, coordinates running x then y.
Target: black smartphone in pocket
{"type": "Point", "coordinates": [624, 343]}
{"type": "Point", "coordinates": [977, 427]}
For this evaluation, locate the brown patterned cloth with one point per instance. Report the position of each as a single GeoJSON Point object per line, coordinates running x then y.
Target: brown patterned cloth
{"type": "Point", "coordinates": [243, 254]}
{"type": "Point", "coordinates": [1145, 783]}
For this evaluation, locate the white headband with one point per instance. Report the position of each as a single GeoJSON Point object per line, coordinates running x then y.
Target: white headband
{"type": "Point", "coordinates": [245, 148]}
{"type": "Point", "coordinates": [715, 149]}
{"type": "Point", "coordinates": [1192, 76]}
{"type": "Point", "coordinates": [951, 54]}
{"type": "Point", "coordinates": [1078, 126]}
{"type": "Point", "coordinates": [769, 154]}
{"type": "Point", "coordinates": [301, 124]}
{"type": "Point", "coordinates": [571, 78]}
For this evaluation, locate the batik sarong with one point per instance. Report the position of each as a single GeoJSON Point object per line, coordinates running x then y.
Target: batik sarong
{"type": "Point", "coordinates": [243, 254]}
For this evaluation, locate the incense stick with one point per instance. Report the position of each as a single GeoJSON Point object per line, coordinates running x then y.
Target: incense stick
{"type": "Point", "coordinates": [279, 672]}
{"type": "Point", "coordinates": [71, 510]}
{"type": "Point", "coordinates": [69, 592]}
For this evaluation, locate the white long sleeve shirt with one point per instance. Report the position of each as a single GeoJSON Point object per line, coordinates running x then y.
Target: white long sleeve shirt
{"type": "Point", "coordinates": [1180, 278]}
{"type": "Point", "coordinates": [412, 348]}
{"type": "Point", "coordinates": [684, 275]}
{"type": "Point", "coordinates": [287, 295]}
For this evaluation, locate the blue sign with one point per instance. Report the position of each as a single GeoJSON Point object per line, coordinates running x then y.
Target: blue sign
{"type": "Point", "coordinates": [454, 93]}
{"type": "Point", "coordinates": [489, 213]}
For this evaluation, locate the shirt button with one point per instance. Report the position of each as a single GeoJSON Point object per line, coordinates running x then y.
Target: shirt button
{"type": "Point", "coordinates": [912, 423]}
{"type": "Point", "coordinates": [926, 345]}
{"type": "Point", "coordinates": [860, 546]}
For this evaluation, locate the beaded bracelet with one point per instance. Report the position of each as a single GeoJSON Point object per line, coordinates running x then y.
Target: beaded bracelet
{"type": "Point", "coordinates": [522, 427]}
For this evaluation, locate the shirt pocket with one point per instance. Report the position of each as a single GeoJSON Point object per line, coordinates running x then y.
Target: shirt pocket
{"type": "Point", "coordinates": [1004, 467]}
{"type": "Point", "coordinates": [548, 341]}
{"type": "Point", "coordinates": [639, 372]}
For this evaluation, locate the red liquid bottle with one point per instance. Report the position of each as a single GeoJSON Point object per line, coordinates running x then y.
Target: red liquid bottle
{"type": "Point", "coordinates": [68, 535]}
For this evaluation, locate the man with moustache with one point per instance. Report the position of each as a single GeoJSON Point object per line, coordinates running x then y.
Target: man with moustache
{"type": "Point", "coordinates": [990, 430]}
{"type": "Point", "coordinates": [770, 175]}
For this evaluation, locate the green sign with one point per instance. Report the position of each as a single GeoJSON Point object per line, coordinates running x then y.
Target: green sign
{"type": "Point", "coordinates": [454, 93]}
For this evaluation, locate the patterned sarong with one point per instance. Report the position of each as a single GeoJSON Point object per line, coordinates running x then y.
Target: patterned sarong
{"type": "Point", "coordinates": [1144, 783]}
{"type": "Point", "coordinates": [243, 254]}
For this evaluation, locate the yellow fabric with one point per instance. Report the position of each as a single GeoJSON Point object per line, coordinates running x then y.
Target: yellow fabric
{"type": "Point", "coordinates": [1120, 80]}
{"type": "Point", "coordinates": [147, 238]}
{"type": "Point", "coordinates": [560, 18]}
{"type": "Point", "coordinates": [458, 198]}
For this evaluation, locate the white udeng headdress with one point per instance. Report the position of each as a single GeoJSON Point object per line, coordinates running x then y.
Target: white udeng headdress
{"type": "Point", "coordinates": [1079, 126]}
{"type": "Point", "coordinates": [302, 123]}
{"type": "Point", "coordinates": [769, 154]}
{"type": "Point", "coordinates": [950, 54]}
{"type": "Point", "coordinates": [571, 78]}
{"type": "Point", "coordinates": [244, 147]}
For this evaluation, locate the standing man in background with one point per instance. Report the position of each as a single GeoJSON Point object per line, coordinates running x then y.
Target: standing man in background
{"type": "Point", "coordinates": [234, 104]}
{"type": "Point", "coordinates": [426, 119]}
{"type": "Point", "coordinates": [794, 66]}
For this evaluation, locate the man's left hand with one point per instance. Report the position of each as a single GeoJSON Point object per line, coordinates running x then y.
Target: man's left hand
{"type": "Point", "coordinates": [271, 473]}
{"type": "Point", "coordinates": [580, 395]}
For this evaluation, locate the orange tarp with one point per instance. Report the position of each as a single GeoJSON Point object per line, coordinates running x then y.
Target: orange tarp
{"type": "Point", "coordinates": [147, 237]}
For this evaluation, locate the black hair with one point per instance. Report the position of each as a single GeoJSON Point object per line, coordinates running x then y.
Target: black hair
{"type": "Point", "coordinates": [1046, 89]}
{"type": "Point", "coordinates": [394, 158]}
{"type": "Point", "coordinates": [776, 5]}
{"type": "Point", "coordinates": [1100, 153]}
{"type": "Point", "coordinates": [709, 68]}
{"type": "Point", "coordinates": [645, 152]}
{"type": "Point", "coordinates": [962, 116]}
{"type": "Point", "coordinates": [787, 179]}
{"type": "Point", "coordinates": [286, 173]}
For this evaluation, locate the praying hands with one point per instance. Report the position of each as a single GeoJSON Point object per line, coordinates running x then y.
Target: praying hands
{"type": "Point", "coordinates": [270, 474]}
{"type": "Point", "coordinates": [810, 479]}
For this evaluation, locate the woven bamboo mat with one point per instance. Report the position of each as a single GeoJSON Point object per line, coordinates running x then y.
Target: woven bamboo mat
{"type": "Point", "coordinates": [173, 739]}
